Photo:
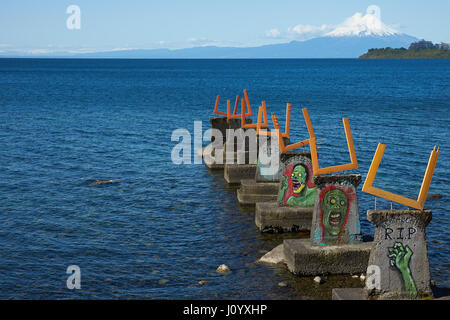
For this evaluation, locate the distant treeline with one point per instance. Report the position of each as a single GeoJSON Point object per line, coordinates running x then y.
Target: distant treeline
{"type": "Point", "coordinates": [421, 49]}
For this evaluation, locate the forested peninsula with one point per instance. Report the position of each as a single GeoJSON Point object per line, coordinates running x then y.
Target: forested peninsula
{"type": "Point", "coordinates": [417, 50]}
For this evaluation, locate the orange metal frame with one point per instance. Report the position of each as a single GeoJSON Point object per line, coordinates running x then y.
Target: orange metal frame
{"type": "Point", "coordinates": [263, 112]}
{"type": "Point", "coordinates": [283, 147]}
{"type": "Point", "coordinates": [252, 125]}
{"type": "Point", "coordinates": [233, 115]}
{"type": "Point", "coordinates": [422, 197]}
{"type": "Point", "coordinates": [312, 144]}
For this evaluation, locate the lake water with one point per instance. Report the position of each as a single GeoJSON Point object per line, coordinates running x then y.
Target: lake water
{"type": "Point", "coordinates": [164, 227]}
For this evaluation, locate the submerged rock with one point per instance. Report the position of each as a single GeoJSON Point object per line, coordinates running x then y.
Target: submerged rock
{"type": "Point", "coordinates": [434, 196]}
{"type": "Point", "coordinates": [282, 284]}
{"type": "Point", "coordinates": [100, 182]}
{"type": "Point", "coordinates": [223, 268]}
{"type": "Point", "coordinates": [318, 280]}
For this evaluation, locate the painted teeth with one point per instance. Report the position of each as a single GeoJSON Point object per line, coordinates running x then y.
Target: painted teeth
{"type": "Point", "coordinates": [335, 215]}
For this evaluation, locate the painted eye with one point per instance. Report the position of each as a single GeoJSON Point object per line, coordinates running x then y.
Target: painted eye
{"type": "Point", "coordinates": [299, 174]}
{"type": "Point", "coordinates": [333, 201]}
{"type": "Point", "coordinates": [293, 175]}
{"type": "Point", "coordinates": [342, 202]}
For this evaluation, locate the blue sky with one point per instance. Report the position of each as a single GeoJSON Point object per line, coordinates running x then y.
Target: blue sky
{"type": "Point", "coordinates": [28, 25]}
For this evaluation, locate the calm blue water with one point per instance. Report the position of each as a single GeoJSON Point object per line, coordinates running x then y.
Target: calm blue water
{"type": "Point", "coordinates": [66, 123]}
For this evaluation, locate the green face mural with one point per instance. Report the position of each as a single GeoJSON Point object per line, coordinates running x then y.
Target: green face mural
{"type": "Point", "coordinates": [334, 208]}
{"type": "Point", "coordinates": [294, 187]}
{"type": "Point", "coordinates": [298, 178]}
{"type": "Point", "coordinates": [399, 257]}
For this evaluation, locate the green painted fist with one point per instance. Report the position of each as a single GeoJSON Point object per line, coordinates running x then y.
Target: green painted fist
{"type": "Point", "coordinates": [399, 257]}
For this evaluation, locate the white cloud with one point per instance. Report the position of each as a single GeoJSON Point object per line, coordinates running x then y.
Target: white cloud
{"type": "Point", "coordinates": [201, 42]}
{"type": "Point", "coordinates": [273, 33]}
{"type": "Point", "coordinates": [123, 48]}
{"type": "Point", "coordinates": [39, 51]}
{"type": "Point", "coordinates": [305, 31]}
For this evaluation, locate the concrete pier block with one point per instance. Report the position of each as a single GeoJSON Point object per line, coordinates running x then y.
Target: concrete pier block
{"type": "Point", "coordinates": [270, 217]}
{"type": "Point", "coordinates": [399, 255]}
{"type": "Point", "coordinates": [222, 124]}
{"type": "Point", "coordinates": [208, 152]}
{"type": "Point", "coordinates": [250, 186]}
{"type": "Point", "coordinates": [305, 259]}
{"type": "Point", "coordinates": [242, 139]}
{"type": "Point", "coordinates": [234, 173]}
{"type": "Point", "coordinates": [214, 162]}
{"type": "Point", "coordinates": [252, 192]}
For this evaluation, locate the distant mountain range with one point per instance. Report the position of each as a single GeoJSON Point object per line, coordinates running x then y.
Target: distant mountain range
{"type": "Point", "coordinates": [352, 38]}
{"type": "Point", "coordinates": [322, 47]}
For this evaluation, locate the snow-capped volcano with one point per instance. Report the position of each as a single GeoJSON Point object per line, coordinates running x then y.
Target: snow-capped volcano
{"type": "Point", "coordinates": [360, 25]}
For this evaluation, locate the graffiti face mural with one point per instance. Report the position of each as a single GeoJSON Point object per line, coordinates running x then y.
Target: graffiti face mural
{"type": "Point", "coordinates": [335, 210]}
{"type": "Point", "coordinates": [298, 177]}
{"type": "Point", "coordinates": [336, 214]}
{"type": "Point", "coordinates": [297, 188]}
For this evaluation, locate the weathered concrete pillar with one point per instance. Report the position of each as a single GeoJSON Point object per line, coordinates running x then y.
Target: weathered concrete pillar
{"type": "Point", "coordinates": [266, 172]}
{"type": "Point", "coordinates": [264, 186]}
{"type": "Point", "coordinates": [294, 205]}
{"type": "Point", "coordinates": [336, 215]}
{"type": "Point", "coordinates": [399, 254]}
{"type": "Point", "coordinates": [252, 192]}
{"type": "Point", "coordinates": [222, 124]}
{"type": "Point", "coordinates": [398, 266]}
{"type": "Point", "coordinates": [243, 143]}
{"type": "Point", "coordinates": [234, 173]}
{"type": "Point", "coordinates": [304, 259]}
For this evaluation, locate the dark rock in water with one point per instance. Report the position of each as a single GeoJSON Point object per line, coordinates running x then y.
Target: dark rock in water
{"type": "Point", "coordinates": [100, 182]}
{"type": "Point", "coordinates": [434, 196]}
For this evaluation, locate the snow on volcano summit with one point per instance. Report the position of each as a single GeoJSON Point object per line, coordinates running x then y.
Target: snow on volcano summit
{"type": "Point", "coordinates": [360, 25]}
